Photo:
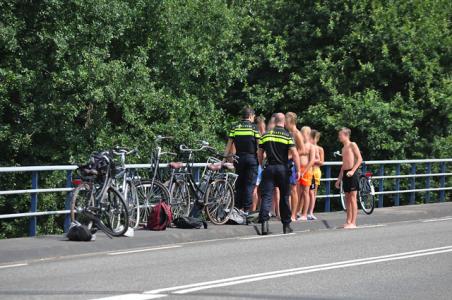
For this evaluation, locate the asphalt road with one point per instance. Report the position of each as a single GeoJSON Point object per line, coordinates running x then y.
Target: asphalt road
{"type": "Point", "coordinates": [404, 253]}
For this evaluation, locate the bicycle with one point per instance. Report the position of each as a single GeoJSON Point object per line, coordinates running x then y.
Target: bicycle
{"type": "Point", "coordinates": [214, 193]}
{"type": "Point", "coordinates": [366, 193]}
{"type": "Point", "coordinates": [127, 181]}
{"type": "Point", "coordinates": [152, 191]}
{"type": "Point", "coordinates": [95, 201]}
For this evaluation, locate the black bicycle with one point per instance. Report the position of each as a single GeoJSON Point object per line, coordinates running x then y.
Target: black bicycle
{"type": "Point", "coordinates": [152, 191]}
{"type": "Point", "coordinates": [214, 193]}
{"type": "Point", "coordinates": [95, 201]}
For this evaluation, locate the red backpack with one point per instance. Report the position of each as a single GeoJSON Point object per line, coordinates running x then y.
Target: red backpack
{"type": "Point", "coordinates": [161, 217]}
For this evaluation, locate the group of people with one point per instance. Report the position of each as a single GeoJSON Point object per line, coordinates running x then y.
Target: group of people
{"type": "Point", "coordinates": [279, 168]}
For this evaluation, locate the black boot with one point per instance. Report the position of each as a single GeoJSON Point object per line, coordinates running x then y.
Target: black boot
{"type": "Point", "coordinates": [264, 230]}
{"type": "Point", "coordinates": [287, 229]}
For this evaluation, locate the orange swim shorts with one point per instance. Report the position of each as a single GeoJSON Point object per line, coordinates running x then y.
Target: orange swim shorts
{"type": "Point", "coordinates": [306, 180]}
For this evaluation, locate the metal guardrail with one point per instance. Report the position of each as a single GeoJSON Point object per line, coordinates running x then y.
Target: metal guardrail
{"type": "Point", "coordinates": [327, 169]}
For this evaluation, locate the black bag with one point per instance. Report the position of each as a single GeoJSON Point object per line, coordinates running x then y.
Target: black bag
{"type": "Point", "coordinates": [79, 232]}
{"type": "Point", "coordinates": [189, 223]}
{"type": "Point", "coordinates": [237, 217]}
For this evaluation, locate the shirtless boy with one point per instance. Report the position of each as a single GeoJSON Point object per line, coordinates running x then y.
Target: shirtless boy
{"type": "Point", "coordinates": [291, 126]}
{"type": "Point", "coordinates": [307, 159]}
{"type": "Point", "coordinates": [316, 172]}
{"type": "Point", "coordinates": [351, 160]}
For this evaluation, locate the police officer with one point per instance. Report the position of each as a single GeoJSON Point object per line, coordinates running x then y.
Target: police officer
{"type": "Point", "coordinates": [277, 144]}
{"type": "Point", "coordinates": [245, 138]}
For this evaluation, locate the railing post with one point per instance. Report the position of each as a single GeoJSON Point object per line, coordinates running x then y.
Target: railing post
{"type": "Point", "coordinates": [197, 174]}
{"type": "Point", "coordinates": [413, 184]}
{"type": "Point", "coordinates": [397, 187]}
{"type": "Point", "coordinates": [67, 205]}
{"type": "Point", "coordinates": [442, 182]}
{"type": "Point", "coordinates": [328, 189]}
{"type": "Point", "coordinates": [381, 185]}
{"type": "Point", "coordinates": [428, 170]}
{"type": "Point", "coordinates": [34, 204]}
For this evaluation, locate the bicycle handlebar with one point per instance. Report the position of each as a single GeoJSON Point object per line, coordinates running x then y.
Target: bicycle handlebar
{"type": "Point", "coordinates": [159, 138]}
{"type": "Point", "coordinates": [337, 153]}
{"type": "Point", "coordinates": [122, 150]}
{"type": "Point", "coordinates": [168, 153]}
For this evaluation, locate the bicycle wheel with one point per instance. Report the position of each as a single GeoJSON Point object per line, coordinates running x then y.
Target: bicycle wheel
{"type": "Point", "coordinates": [180, 198]}
{"type": "Point", "coordinates": [343, 202]}
{"type": "Point", "coordinates": [149, 194]}
{"type": "Point", "coordinates": [81, 202]}
{"type": "Point", "coordinates": [133, 204]}
{"type": "Point", "coordinates": [366, 199]}
{"type": "Point", "coordinates": [114, 214]}
{"type": "Point", "coordinates": [219, 201]}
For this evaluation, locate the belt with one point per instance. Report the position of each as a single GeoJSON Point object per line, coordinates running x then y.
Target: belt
{"type": "Point", "coordinates": [277, 164]}
{"type": "Point", "coordinates": [246, 153]}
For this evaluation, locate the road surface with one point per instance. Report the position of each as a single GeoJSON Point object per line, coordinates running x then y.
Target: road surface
{"type": "Point", "coordinates": [402, 253]}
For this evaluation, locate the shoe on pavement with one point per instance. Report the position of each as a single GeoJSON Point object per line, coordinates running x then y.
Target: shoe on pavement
{"type": "Point", "coordinates": [287, 228]}
{"type": "Point", "coordinates": [264, 228]}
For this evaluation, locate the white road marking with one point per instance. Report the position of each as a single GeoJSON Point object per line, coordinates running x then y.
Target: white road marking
{"type": "Point", "coordinates": [371, 226]}
{"type": "Point", "coordinates": [437, 220]}
{"type": "Point", "coordinates": [132, 297]}
{"type": "Point", "coordinates": [183, 289]}
{"type": "Point", "coordinates": [12, 266]}
{"type": "Point", "coordinates": [186, 291]}
{"type": "Point", "coordinates": [143, 250]}
{"type": "Point", "coordinates": [265, 236]}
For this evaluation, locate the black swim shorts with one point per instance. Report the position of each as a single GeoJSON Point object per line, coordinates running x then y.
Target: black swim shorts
{"type": "Point", "coordinates": [350, 184]}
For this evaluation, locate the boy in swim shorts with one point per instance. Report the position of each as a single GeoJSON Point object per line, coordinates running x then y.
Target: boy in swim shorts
{"type": "Point", "coordinates": [316, 172]}
{"type": "Point", "coordinates": [307, 159]}
{"type": "Point", "coordinates": [351, 161]}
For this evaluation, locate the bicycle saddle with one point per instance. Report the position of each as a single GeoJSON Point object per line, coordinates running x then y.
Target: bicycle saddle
{"type": "Point", "coordinates": [88, 172]}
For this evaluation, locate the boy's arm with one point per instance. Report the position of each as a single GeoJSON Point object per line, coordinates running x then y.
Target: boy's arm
{"type": "Point", "coordinates": [299, 142]}
{"type": "Point", "coordinates": [260, 156]}
{"type": "Point", "coordinates": [322, 156]}
{"type": "Point", "coordinates": [339, 177]}
{"type": "Point", "coordinates": [296, 160]}
{"type": "Point", "coordinates": [357, 155]}
{"type": "Point", "coordinates": [228, 149]}
{"type": "Point", "coordinates": [311, 158]}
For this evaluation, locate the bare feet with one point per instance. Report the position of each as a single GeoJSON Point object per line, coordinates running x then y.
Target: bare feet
{"type": "Point", "coordinates": [303, 218]}
{"type": "Point", "coordinates": [349, 226]}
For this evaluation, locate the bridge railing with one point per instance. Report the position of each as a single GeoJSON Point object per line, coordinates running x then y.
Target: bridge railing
{"type": "Point", "coordinates": [389, 173]}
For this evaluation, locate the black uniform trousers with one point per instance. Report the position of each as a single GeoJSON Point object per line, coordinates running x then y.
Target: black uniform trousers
{"type": "Point", "coordinates": [246, 168]}
{"type": "Point", "coordinates": [275, 176]}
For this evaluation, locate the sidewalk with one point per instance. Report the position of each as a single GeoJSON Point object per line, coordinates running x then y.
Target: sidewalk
{"type": "Point", "coordinates": [25, 249]}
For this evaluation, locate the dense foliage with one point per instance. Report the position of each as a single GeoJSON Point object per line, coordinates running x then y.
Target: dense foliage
{"type": "Point", "coordinates": [81, 75]}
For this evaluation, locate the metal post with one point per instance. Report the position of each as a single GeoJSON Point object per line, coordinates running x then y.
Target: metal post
{"type": "Point", "coordinates": [328, 189]}
{"type": "Point", "coordinates": [442, 182]}
{"type": "Point", "coordinates": [397, 187]}
{"type": "Point", "coordinates": [34, 204]}
{"type": "Point", "coordinates": [197, 174]}
{"type": "Point", "coordinates": [428, 170]}
{"type": "Point", "coordinates": [67, 205]}
{"type": "Point", "coordinates": [381, 185]}
{"type": "Point", "coordinates": [413, 184]}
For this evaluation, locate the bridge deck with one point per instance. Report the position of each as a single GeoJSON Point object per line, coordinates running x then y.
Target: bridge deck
{"type": "Point", "coordinates": [53, 247]}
